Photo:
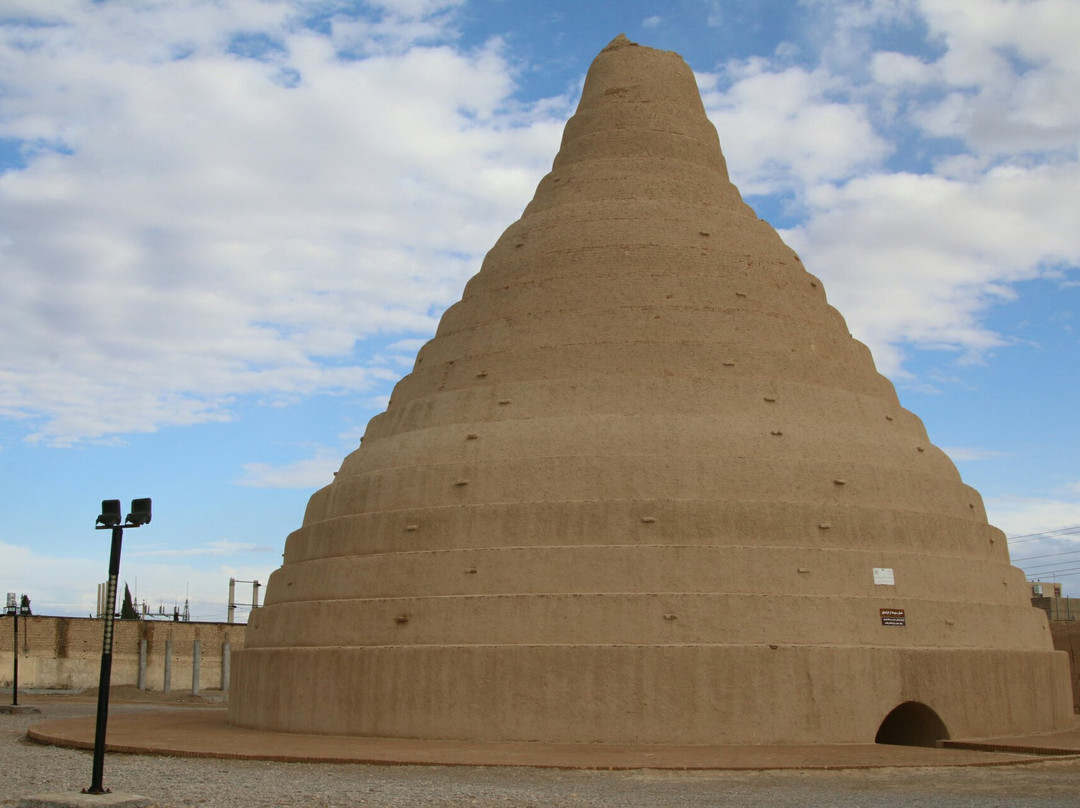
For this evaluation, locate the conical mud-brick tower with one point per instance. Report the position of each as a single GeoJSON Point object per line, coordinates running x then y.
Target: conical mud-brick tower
{"type": "Point", "coordinates": [643, 486]}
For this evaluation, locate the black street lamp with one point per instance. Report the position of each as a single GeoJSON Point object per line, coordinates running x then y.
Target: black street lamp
{"type": "Point", "coordinates": [110, 520]}
{"type": "Point", "coordinates": [16, 606]}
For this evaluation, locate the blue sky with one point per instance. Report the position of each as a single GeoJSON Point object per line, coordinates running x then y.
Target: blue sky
{"type": "Point", "coordinates": [226, 227]}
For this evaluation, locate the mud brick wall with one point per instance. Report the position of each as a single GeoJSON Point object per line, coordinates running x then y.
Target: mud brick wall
{"type": "Point", "coordinates": [65, 652]}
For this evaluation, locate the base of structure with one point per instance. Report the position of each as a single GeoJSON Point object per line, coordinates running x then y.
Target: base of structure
{"type": "Point", "coordinates": [672, 694]}
{"type": "Point", "coordinates": [205, 733]}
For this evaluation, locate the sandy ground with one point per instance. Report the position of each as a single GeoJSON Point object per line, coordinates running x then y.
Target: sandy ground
{"type": "Point", "coordinates": [29, 768]}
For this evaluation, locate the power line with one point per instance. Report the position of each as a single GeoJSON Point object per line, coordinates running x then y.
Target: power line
{"type": "Point", "coordinates": [1048, 555]}
{"type": "Point", "coordinates": [1048, 568]}
{"type": "Point", "coordinates": [1065, 573]}
{"type": "Point", "coordinates": [1046, 534]}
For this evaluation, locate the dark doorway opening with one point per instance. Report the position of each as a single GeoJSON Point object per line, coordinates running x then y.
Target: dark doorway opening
{"type": "Point", "coordinates": [912, 724]}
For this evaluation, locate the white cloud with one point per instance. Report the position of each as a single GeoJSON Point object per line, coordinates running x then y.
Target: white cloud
{"type": "Point", "coordinates": [1044, 531]}
{"type": "Point", "coordinates": [207, 550]}
{"type": "Point", "coordinates": [188, 230]}
{"type": "Point", "coordinates": [409, 346]}
{"type": "Point", "coordinates": [170, 583]}
{"type": "Point", "coordinates": [715, 14]}
{"type": "Point", "coordinates": [63, 585]}
{"type": "Point", "coordinates": [900, 69]}
{"type": "Point", "coordinates": [1016, 69]}
{"type": "Point", "coordinates": [782, 129]}
{"type": "Point", "coordinates": [51, 581]}
{"type": "Point", "coordinates": [916, 258]}
{"type": "Point", "coordinates": [311, 472]}
{"type": "Point", "coordinates": [967, 453]}
{"type": "Point", "coordinates": [416, 8]}
{"type": "Point", "coordinates": [1022, 516]}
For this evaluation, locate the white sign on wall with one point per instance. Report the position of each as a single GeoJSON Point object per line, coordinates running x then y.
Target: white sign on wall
{"type": "Point", "coordinates": [883, 576]}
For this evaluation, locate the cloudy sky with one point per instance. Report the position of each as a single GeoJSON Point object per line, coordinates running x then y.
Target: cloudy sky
{"type": "Point", "coordinates": [227, 225]}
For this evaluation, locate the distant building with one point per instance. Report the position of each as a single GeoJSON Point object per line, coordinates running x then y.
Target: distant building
{"type": "Point", "coordinates": [1045, 589]}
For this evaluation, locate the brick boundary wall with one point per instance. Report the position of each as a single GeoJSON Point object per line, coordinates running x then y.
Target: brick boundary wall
{"type": "Point", "coordinates": [64, 653]}
{"type": "Point", "coordinates": [1066, 636]}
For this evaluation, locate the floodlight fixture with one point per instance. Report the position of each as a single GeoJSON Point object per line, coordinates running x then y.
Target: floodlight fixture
{"type": "Point", "coordinates": [140, 513]}
{"type": "Point", "coordinates": [110, 514]}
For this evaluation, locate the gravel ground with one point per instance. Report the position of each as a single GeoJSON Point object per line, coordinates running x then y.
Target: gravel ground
{"type": "Point", "coordinates": [27, 769]}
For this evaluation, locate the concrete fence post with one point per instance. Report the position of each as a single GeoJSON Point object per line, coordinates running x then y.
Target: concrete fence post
{"type": "Point", "coordinates": [142, 664]}
{"type": "Point", "coordinates": [196, 658]}
{"type": "Point", "coordinates": [167, 686]}
{"type": "Point", "coordinates": [226, 652]}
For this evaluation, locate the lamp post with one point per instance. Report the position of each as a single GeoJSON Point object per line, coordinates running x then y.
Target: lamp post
{"type": "Point", "coordinates": [110, 520]}
{"type": "Point", "coordinates": [16, 606]}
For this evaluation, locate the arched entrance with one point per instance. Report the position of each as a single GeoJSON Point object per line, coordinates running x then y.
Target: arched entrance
{"type": "Point", "coordinates": [912, 724]}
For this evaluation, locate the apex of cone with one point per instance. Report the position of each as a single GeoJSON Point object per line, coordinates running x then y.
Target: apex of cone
{"type": "Point", "coordinates": [619, 42]}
